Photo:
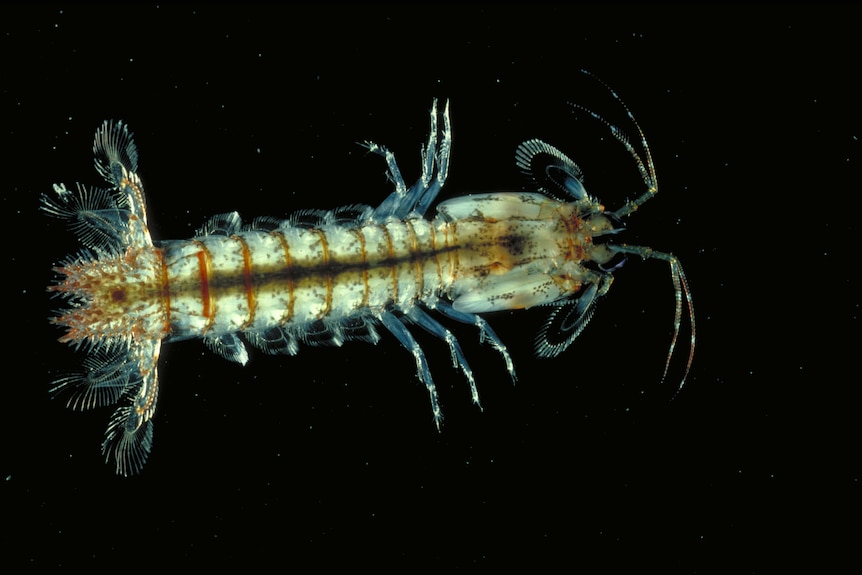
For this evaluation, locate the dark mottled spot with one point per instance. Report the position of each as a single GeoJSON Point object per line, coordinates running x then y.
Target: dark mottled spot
{"type": "Point", "coordinates": [515, 243]}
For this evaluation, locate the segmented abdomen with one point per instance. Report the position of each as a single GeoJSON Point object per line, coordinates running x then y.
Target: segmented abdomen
{"type": "Point", "coordinates": [254, 280]}
{"type": "Point", "coordinates": [328, 277]}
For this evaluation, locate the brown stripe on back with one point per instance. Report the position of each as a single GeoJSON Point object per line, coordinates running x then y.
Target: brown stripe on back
{"type": "Point", "coordinates": [363, 262]}
{"type": "Point", "coordinates": [436, 254]}
{"type": "Point", "coordinates": [326, 272]}
{"type": "Point", "coordinates": [249, 287]}
{"type": "Point", "coordinates": [165, 289]}
{"type": "Point", "coordinates": [392, 258]}
{"type": "Point", "coordinates": [451, 251]}
{"type": "Point", "coordinates": [414, 255]}
{"type": "Point", "coordinates": [204, 275]}
{"type": "Point", "coordinates": [288, 263]}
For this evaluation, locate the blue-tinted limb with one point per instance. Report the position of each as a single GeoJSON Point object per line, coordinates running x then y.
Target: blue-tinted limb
{"type": "Point", "coordinates": [403, 335]}
{"type": "Point", "coordinates": [485, 331]}
{"type": "Point", "coordinates": [435, 167]}
{"type": "Point", "coordinates": [432, 326]}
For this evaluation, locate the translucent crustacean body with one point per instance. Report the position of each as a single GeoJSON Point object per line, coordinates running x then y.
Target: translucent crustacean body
{"type": "Point", "coordinates": [324, 278]}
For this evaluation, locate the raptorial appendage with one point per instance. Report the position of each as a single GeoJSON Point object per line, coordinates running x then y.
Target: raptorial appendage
{"type": "Point", "coordinates": [317, 278]}
{"type": "Point", "coordinates": [589, 233]}
{"type": "Point", "coordinates": [553, 246]}
{"type": "Point", "coordinates": [328, 277]}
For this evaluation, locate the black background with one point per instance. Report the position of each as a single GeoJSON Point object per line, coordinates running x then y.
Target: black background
{"type": "Point", "coordinates": [330, 458]}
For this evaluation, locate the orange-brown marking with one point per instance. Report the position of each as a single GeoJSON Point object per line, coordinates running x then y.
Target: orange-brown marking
{"type": "Point", "coordinates": [452, 253]}
{"type": "Point", "coordinates": [414, 248]}
{"type": "Point", "coordinates": [246, 276]}
{"type": "Point", "coordinates": [436, 255]}
{"type": "Point", "coordinates": [327, 272]}
{"type": "Point", "coordinates": [391, 249]}
{"type": "Point", "coordinates": [291, 296]}
{"type": "Point", "coordinates": [166, 290]}
{"type": "Point", "coordinates": [573, 224]}
{"type": "Point", "coordinates": [138, 194]}
{"type": "Point", "coordinates": [363, 262]}
{"type": "Point", "coordinates": [204, 272]}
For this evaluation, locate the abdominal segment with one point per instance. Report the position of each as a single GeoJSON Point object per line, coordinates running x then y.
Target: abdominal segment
{"type": "Point", "coordinates": [255, 280]}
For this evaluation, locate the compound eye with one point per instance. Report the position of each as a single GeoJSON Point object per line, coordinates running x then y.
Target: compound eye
{"type": "Point", "coordinates": [614, 263]}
